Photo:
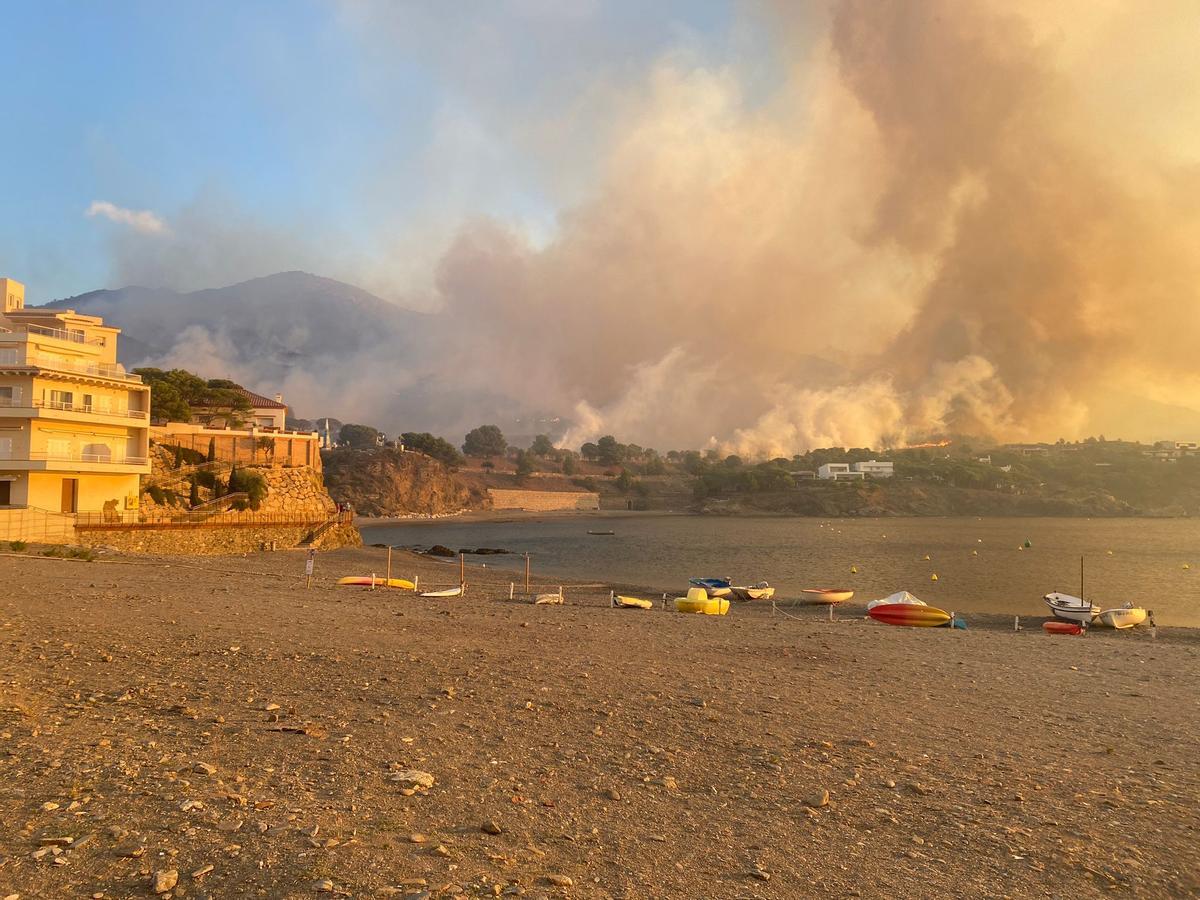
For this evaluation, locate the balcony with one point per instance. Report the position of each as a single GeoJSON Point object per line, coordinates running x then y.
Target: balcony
{"type": "Point", "coordinates": [113, 458]}
{"type": "Point", "coordinates": [20, 403]}
{"type": "Point", "coordinates": [97, 370]}
{"type": "Point", "coordinates": [61, 334]}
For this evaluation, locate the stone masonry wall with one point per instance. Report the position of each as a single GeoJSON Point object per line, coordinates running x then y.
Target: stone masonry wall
{"type": "Point", "coordinates": [207, 540]}
{"type": "Point", "coordinates": [543, 500]}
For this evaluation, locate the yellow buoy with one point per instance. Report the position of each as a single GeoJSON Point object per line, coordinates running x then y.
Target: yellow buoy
{"type": "Point", "coordinates": [1110, 553]}
{"type": "Point", "coordinates": [926, 557]}
{"type": "Point", "coordinates": [1186, 566]}
{"type": "Point", "coordinates": [854, 570]}
{"type": "Point", "coordinates": [933, 577]}
{"type": "Point", "coordinates": [974, 552]}
{"type": "Point", "coordinates": [1019, 549]}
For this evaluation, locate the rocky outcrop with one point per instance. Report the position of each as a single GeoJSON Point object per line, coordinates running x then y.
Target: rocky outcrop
{"type": "Point", "coordinates": [390, 482]}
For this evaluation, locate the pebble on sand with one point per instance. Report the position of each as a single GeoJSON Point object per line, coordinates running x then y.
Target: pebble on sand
{"type": "Point", "coordinates": [413, 777]}
{"type": "Point", "coordinates": [164, 880]}
{"type": "Point", "coordinates": [818, 799]}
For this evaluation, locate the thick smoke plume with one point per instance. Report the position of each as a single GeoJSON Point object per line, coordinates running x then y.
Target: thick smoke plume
{"type": "Point", "coordinates": [932, 221]}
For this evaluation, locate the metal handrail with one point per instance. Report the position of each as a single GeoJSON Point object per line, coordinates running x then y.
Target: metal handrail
{"type": "Point", "coordinates": [77, 407]}
{"type": "Point", "coordinates": [21, 403]}
{"type": "Point", "coordinates": [81, 456]}
{"type": "Point", "coordinates": [101, 370]}
{"type": "Point", "coordinates": [62, 334]}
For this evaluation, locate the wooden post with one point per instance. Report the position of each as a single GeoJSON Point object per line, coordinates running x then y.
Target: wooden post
{"type": "Point", "coordinates": [462, 570]}
{"type": "Point", "coordinates": [308, 568]}
{"type": "Point", "coordinates": [389, 564]}
{"type": "Point", "coordinates": [372, 581]}
{"type": "Point", "coordinates": [527, 572]}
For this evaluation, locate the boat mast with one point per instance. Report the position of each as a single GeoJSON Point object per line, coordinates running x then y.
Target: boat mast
{"type": "Point", "coordinates": [1081, 576]}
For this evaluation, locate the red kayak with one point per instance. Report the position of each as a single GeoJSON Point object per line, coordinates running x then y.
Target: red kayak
{"type": "Point", "coordinates": [908, 615]}
{"type": "Point", "coordinates": [1053, 627]}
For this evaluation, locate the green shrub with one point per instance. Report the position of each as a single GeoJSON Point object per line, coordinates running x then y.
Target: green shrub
{"type": "Point", "coordinates": [54, 551]}
{"type": "Point", "coordinates": [171, 497]}
{"type": "Point", "coordinates": [81, 553]}
{"type": "Point", "coordinates": [17, 546]}
{"type": "Point", "coordinates": [156, 494]}
{"type": "Point", "coordinates": [249, 482]}
{"type": "Point", "coordinates": [588, 484]}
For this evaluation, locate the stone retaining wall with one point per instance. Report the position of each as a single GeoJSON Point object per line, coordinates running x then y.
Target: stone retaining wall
{"type": "Point", "coordinates": [543, 500]}
{"type": "Point", "coordinates": [207, 540]}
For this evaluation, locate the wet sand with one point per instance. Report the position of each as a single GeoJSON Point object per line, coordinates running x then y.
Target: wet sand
{"type": "Point", "coordinates": [175, 714]}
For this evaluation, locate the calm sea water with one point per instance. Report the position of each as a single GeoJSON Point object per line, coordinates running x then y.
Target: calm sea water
{"type": "Point", "coordinates": [981, 564]}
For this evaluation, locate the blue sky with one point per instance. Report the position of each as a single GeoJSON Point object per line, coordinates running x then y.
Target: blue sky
{"type": "Point", "coordinates": [311, 119]}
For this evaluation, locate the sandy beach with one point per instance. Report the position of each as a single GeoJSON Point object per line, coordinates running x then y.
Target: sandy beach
{"type": "Point", "coordinates": [215, 726]}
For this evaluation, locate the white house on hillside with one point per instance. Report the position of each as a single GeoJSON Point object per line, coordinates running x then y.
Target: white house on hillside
{"type": "Point", "coordinates": [873, 468]}
{"type": "Point", "coordinates": [838, 472]}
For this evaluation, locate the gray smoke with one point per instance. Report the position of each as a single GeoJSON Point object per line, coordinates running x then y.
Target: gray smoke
{"type": "Point", "coordinates": [927, 219]}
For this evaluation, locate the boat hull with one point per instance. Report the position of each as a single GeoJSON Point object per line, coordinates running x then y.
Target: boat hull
{"type": "Point", "coordinates": [716, 587]}
{"type": "Point", "coordinates": [1124, 617]}
{"type": "Point", "coordinates": [909, 615]}
{"type": "Point", "coordinates": [449, 592]}
{"type": "Point", "coordinates": [745, 594]}
{"type": "Point", "coordinates": [1071, 608]}
{"type": "Point", "coordinates": [632, 603]}
{"type": "Point", "coordinates": [826, 595]}
{"type": "Point", "coordinates": [1062, 627]}
{"type": "Point", "coordinates": [367, 581]}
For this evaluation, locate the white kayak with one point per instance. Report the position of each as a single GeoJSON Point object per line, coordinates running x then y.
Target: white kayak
{"type": "Point", "coordinates": [449, 592]}
{"type": "Point", "coordinates": [1071, 608]}
{"type": "Point", "coordinates": [1123, 617]}
{"type": "Point", "coordinates": [898, 597]}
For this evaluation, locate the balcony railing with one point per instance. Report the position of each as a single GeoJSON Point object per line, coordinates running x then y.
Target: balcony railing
{"type": "Point", "coordinates": [92, 408]}
{"type": "Point", "coordinates": [101, 370]}
{"type": "Point", "coordinates": [81, 456]}
{"type": "Point", "coordinates": [20, 403]}
{"type": "Point", "coordinates": [62, 334]}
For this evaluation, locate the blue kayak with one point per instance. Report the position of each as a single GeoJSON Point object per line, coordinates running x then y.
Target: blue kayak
{"type": "Point", "coordinates": [711, 584]}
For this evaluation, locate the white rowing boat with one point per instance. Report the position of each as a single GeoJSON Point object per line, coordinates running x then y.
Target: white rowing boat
{"type": "Point", "coordinates": [1071, 608]}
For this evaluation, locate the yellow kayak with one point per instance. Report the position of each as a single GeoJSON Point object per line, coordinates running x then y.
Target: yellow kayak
{"type": "Point", "coordinates": [632, 602]}
{"type": "Point", "coordinates": [698, 601]}
{"type": "Point", "coordinates": [368, 581]}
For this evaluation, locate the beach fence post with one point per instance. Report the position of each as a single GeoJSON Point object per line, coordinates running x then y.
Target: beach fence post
{"type": "Point", "coordinates": [308, 567]}
{"type": "Point", "coordinates": [372, 581]}
{"type": "Point", "coordinates": [462, 571]}
{"type": "Point", "coordinates": [389, 564]}
{"type": "Point", "coordinates": [512, 590]}
{"type": "Point", "coordinates": [830, 612]}
{"type": "Point", "coordinates": [416, 582]}
{"type": "Point", "coordinates": [526, 571]}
